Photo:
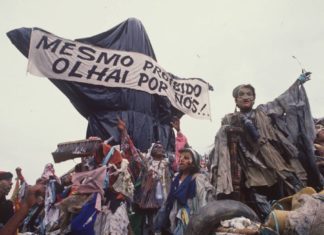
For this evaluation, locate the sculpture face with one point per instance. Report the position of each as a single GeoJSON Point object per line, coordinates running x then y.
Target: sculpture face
{"type": "Point", "coordinates": [245, 99]}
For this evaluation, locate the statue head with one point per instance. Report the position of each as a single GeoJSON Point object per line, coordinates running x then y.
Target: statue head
{"type": "Point", "coordinates": [244, 96]}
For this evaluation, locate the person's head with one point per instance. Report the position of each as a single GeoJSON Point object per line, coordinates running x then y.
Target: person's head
{"type": "Point", "coordinates": [66, 179]}
{"type": "Point", "coordinates": [48, 171]}
{"type": "Point", "coordinates": [189, 161]}
{"type": "Point", "coordinates": [319, 134]}
{"type": "Point", "coordinates": [88, 163]}
{"type": "Point", "coordinates": [157, 151]}
{"type": "Point", "coordinates": [244, 96]}
{"type": "Point", "coordinates": [5, 183]}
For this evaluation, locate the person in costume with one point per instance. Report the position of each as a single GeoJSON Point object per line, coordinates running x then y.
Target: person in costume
{"type": "Point", "coordinates": [155, 185]}
{"type": "Point", "coordinates": [151, 174]}
{"type": "Point", "coordinates": [265, 153]}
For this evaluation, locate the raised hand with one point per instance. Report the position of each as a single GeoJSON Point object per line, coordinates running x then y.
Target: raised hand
{"type": "Point", "coordinates": [304, 77]}
{"type": "Point", "coordinates": [175, 123]}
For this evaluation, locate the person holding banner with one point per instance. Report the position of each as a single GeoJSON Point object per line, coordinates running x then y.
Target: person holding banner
{"type": "Point", "coordinates": [263, 154]}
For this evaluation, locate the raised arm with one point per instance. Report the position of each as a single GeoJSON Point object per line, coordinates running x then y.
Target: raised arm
{"type": "Point", "coordinates": [12, 225]}
{"type": "Point", "coordinates": [294, 95]}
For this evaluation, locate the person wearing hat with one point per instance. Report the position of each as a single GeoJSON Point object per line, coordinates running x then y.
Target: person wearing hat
{"type": "Point", "coordinates": [190, 190]}
{"type": "Point", "coordinates": [258, 152]}
{"type": "Point", "coordinates": [6, 206]}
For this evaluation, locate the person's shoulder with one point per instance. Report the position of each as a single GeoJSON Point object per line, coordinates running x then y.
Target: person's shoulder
{"type": "Point", "coordinates": [199, 176]}
{"type": "Point", "coordinates": [202, 182]}
{"type": "Point", "coordinates": [261, 108]}
{"type": "Point", "coordinates": [228, 115]}
{"type": "Point", "coordinates": [176, 174]}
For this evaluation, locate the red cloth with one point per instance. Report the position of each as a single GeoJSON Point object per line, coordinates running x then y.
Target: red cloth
{"type": "Point", "coordinates": [115, 158]}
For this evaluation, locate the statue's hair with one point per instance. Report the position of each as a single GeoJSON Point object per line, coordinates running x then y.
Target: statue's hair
{"type": "Point", "coordinates": [236, 89]}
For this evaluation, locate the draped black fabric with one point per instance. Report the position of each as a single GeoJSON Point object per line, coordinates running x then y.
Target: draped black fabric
{"type": "Point", "coordinates": [147, 116]}
{"type": "Point", "coordinates": [291, 113]}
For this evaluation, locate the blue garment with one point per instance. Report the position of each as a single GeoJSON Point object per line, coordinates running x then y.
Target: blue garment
{"type": "Point", "coordinates": [181, 192]}
{"type": "Point", "coordinates": [83, 223]}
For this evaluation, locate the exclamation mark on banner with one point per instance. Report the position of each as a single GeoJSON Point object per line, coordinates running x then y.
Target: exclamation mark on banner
{"type": "Point", "coordinates": [204, 106]}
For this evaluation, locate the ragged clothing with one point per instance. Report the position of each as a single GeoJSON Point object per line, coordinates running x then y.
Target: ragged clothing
{"type": "Point", "coordinates": [274, 154]}
{"type": "Point", "coordinates": [291, 113]}
{"type": "Point", "coordinates": [112, 223]}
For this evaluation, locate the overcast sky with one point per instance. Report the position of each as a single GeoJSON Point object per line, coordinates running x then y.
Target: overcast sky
{"type": "Point", "coordinates": [226, 43]}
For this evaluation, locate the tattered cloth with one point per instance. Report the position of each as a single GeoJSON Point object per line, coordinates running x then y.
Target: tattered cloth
{"type": "Point", "coordinates": [283, 107]}
{"type": "Point", "coordinates": [308, 219]}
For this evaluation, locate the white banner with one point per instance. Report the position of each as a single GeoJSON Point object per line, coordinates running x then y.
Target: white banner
{"type": "Point", "coordinates": [54, 57]}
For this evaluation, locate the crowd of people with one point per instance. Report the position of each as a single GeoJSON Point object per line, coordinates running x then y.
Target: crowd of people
{"type": "Point", "coordinates": [259, 156]}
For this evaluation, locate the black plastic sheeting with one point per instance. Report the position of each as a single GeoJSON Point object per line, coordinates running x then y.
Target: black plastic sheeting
{"type": "Point", "coordinates": [147, 116]}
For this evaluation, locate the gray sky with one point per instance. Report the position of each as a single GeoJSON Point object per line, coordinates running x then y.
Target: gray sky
{"type": "Point", "coordinates": [224, 42]}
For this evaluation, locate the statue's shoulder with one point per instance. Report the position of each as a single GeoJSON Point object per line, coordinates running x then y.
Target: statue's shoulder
{"type": "Point", "coordinates": [226, 120]}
